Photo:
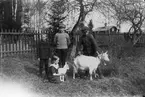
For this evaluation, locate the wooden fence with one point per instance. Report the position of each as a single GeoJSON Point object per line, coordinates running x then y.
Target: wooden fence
{"type": "Point", "coordinates": [20, 43]}
{"type": "Point", "coordinates": [110, 39]}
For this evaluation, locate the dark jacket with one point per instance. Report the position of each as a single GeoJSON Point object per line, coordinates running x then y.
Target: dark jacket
{"type": "Point", "coordinates": [43, 50]}
{"type": "Point", "coordinates": [88, 45]}
{"type": "Point", "coordinates": [51, 77]}
{"type": "Point", "coordinates": [52, 70]}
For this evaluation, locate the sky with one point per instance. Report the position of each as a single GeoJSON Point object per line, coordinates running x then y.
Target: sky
{"type": "Point", "coordinates": [99, 20]}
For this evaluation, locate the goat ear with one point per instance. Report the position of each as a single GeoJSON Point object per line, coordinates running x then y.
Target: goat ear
{"type": "Point", "coordinates": [106, 52]}
{"type": "Point", "coordinates": [97, 52]}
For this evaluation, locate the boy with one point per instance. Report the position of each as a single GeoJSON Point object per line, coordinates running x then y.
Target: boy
{"type": "Point", "coordinates": [43, 54]}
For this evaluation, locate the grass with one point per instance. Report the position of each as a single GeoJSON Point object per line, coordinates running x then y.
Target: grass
{"type": "Point", "coordinates": [128, 79]}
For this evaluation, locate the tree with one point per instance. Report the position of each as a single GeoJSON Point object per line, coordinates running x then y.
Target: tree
{"type": "Point", "coordinates": [10, 17]}
{"type": "Point", "coordinates": [33, 13]}
{"type": "Point", "coordinates": [84, 7]}
{"type": "Point", "coordinates": [132, 11]}
{"type": "Point", "coordinates": [90, 25]}
{"type": "Point", "coordinates": [57, 16]}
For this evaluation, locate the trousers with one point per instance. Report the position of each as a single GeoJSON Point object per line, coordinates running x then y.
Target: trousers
{"type": "Point", "coordinates": [43, 63]}
{"type": "Point", "coordinates": [62, 54]}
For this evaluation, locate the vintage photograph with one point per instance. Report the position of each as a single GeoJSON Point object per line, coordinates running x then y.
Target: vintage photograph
{"type": "Point", "coordinates": [72, 48]}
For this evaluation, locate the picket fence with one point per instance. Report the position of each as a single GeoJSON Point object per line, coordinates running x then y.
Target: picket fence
{"type": "Point", "coordinates": [18, 42]}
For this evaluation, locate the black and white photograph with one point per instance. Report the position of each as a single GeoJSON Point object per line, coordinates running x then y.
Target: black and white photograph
{"type": "Point", "coordinates": [72, 48]}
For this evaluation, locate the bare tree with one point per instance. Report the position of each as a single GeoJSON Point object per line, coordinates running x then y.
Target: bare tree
{"type": "Point", "coordinates": [132, 11]}
{"type": "Point", "coordinates": [14, 8]}
{"type": "Point", "coordinates": [84, 7]}
{"type": "Point", "coordinates": [35, 9]}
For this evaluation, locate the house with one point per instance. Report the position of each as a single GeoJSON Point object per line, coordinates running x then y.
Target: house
{"type": "Point", "coordinates": [106, 30]}
{"type": "Point", "coordinates": [104, 35]}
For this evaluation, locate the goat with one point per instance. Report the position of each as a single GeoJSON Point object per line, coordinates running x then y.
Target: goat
{"type": "Point", "coordinates": [88, 62]}
{"type": "Point", "coordinates": [62, 71]}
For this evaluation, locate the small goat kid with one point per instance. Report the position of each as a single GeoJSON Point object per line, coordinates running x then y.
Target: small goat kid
{"type": "Point", "coordinates": [88, 62]}
{"type": "Point", "coordinates": [62, 71]}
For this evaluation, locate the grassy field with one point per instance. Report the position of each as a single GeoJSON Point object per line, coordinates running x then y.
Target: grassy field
{"type": "Point", "coordinates": [124, 77]}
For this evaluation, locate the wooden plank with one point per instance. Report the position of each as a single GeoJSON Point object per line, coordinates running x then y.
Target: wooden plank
{"type": "Point", "coordinates": [19, 45]}
{"type": "Point", "coordinates": [9, 43]}
{"type": "Point", "coordinates": [16, 37]}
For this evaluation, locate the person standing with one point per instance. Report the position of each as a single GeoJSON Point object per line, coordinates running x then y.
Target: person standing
{"type": "Point", "coordinates": [43, 54]}
{"type": "Point", "coordinates": [88, 46]}
{"type": "Point", "coordinates": [87, 43]}
{"type": "Point", "coordinates": [62, 41]}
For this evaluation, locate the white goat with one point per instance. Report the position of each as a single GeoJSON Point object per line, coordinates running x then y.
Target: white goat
{"type": "Point", "coordinates": [62, 71]}
{"type": "Point", "coordinates": [88, 62]}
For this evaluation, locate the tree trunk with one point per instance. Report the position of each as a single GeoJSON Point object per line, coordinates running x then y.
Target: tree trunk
{"type": "Point", "coordinates": [81, 18]}
{"type": "Point", "coordinates": [16, 6]}
{"type": "Point", "coordinates": [134, 37]}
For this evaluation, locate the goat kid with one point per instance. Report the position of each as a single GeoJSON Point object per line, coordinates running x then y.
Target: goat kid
{"type": "Point", "coordinates": [62, 71]}
{"type": "Point", "coordinates": [88, 62]}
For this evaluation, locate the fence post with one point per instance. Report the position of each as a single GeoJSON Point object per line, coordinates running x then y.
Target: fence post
{"type": "Point", "coordinates": [1, 55]}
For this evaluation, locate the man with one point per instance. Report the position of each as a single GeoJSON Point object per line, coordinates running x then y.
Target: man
{"type": "Point", "coordinates": [62, 41]}
{"type": "Point", "coordinates": [43, 54]}
{"type": "Point", "coordinates": [87, 45]}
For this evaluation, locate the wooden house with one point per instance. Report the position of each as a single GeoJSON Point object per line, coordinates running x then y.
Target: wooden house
{"type": "Point", "coordinates": [106, 30]}
{"type": "Point", "coordinates": [105, 35]}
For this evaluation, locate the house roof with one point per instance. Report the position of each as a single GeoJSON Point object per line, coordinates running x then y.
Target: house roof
{"type": "Point", "coordinates": [104, 28]}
